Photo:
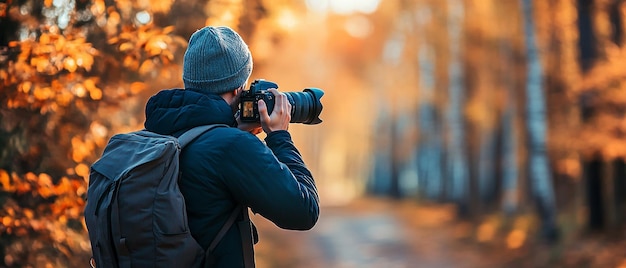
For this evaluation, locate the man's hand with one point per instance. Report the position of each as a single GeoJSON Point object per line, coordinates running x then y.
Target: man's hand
{"type": "Point", "coordinates": [281, 115]}
{"type": "Point", "coordinates": [254, 128]}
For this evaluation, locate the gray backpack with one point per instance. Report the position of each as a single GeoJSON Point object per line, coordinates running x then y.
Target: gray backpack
{"type": "Point", "coordinates": [135, 212]}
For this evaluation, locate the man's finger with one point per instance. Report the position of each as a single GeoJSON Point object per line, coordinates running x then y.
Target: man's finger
{"type": "Point", "coordinates": [274, 91]}
{"type": "Point", "coordinates": [280, 100]}
{"type": "Point", "coordinates": [265, 117]}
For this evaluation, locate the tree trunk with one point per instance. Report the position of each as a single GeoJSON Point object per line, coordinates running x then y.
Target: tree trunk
{"type": "Point", "coordinates": [619, 191]}
{"type": "Point", "coordinates": [394, 187]}
{"type": "Point", "coordinates": [509, 149]}
{"type": "Point", "coordinates": [509, 152]}
{"type": "Point", "coordinates": [539, 168]}
{"type": "Point", "coordinates": [430, 142]}
{"type": "Point", "coordinates": [593, 178]}
{"type": "Point", "coordinates": [459, 182]}
{"type": "Point", "coordinates": [379, 182]}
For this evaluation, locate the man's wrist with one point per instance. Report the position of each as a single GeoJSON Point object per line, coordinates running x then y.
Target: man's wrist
{"type": "Point", "coordinates": [277, 135]}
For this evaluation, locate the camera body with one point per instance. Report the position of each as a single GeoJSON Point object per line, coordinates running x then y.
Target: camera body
{"type": "Point", "coordinates": [305, 106]}
{"type": "Point", "coordinates": [249, 100]}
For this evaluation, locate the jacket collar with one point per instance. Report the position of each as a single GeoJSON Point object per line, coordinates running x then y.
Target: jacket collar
{"type": "Point", "coordinates": [175, 110]}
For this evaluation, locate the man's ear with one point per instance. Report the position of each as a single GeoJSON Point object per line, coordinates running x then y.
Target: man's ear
{"type": "Point", "coordinates": [238, 90]}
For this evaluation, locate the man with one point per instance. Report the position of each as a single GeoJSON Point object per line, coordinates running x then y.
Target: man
{"type": "Point", "coordinates": [230, 166]}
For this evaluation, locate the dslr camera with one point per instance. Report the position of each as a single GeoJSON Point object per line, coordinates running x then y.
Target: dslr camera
{"type": "Point", "coordinates": [305, 106]}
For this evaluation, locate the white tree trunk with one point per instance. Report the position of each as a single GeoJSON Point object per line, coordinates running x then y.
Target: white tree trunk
{"type": "Point", "coordinates": [509, 150]}
{"type": "Point", "coordinates": [430, 143]}
{"type": "Point", "coordinates": [458, 169]}
{"type": "Point", "coordinates": [539, 168]}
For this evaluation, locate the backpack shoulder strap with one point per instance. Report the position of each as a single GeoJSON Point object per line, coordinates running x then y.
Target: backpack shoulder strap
{"type": "Point", "coordinates": [193, 133]}
{"type": "Point", "coordinates": [225, 228]}
{"type": "Point", "coordinates": [185, 139]}
{"type": "Point", "coordinates": [247, 239]}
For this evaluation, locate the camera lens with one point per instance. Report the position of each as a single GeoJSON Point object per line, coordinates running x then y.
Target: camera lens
{"type": "Point", "coordinates": [306, 106]}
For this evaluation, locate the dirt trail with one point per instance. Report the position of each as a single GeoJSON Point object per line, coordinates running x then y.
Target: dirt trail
{"type": "Point", "coordinates": [366, 233]}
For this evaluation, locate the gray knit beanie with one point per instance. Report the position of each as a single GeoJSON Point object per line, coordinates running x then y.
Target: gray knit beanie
{"type": "Point", "coordinates": [217, 60]}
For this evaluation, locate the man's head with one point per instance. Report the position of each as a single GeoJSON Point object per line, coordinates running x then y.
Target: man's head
{"type": "Point", "coordinates": [217, 61]}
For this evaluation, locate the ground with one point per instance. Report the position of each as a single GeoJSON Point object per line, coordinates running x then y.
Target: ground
{"type": "Point", "coordinates": [383, 233]}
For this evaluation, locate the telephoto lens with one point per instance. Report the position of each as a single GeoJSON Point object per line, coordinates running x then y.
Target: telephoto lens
{"type": "Point", "coordinates": [305, 106]}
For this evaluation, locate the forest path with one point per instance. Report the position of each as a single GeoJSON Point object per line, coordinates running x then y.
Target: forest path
{"type": "Point", "coordinates": [368, 233]}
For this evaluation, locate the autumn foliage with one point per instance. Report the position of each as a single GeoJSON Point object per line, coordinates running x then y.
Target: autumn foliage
{"type": "Point", "coordinates": [75, 72]}
{"type": "Point", "coordinates": [46, 217]}
{"type": "Point", "coordinates": [70, 75]}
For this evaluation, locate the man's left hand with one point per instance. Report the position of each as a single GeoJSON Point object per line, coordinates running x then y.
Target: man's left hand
{"type": "Point", "coordinates": [252, 127]}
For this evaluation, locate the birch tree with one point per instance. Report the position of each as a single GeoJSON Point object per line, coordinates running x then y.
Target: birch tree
{"type": "Point", "coordinates": [457, 164]}
{"type": "Point", "coordinates": [482, 112]}
{"type": "Point", "coordinates": [509, 150]}
{"type": "Point", "coordinates": [429, 148]}
{"type": "Point", "coordinates": [539, 168]}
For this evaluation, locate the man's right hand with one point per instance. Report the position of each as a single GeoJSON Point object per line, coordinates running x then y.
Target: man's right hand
{"type": "Point", "coordinates": [281, 115]}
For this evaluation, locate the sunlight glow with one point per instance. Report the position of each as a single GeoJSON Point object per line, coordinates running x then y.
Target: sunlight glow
{"type": "Point", "coordinates": [287, 20]}
{"type": "Point", "coordinates": [143, 17]}
{"type": "Point", "coordinates": [317, 5]}
{"type": "Point", "coordinates": [343, 7]}
{"type": "Point", "coordinates": [358, 26]}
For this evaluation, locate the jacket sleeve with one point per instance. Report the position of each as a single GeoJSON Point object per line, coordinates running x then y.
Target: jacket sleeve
{"type": "Point", "coordinates": [273, 180]}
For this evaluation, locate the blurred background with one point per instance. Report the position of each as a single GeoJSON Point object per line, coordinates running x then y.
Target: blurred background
{"type": "Point", "coordinates": [456, 133]}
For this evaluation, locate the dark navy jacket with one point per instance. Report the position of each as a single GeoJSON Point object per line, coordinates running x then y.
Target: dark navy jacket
{"type": "Point", "coordinates": [226, 166]}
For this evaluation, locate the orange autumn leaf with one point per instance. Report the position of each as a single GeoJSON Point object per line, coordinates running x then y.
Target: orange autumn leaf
{"type": "Point", "coordinates": [155, 46]}
{"type": "Point", "coordinates": [82, 170]}
{"type": "Point", "coordinates": [43, 93]}
{"type": "Point", "coordinates": [5, 181]}
{"type": "Point", "coordinates": [168, 29]}
{"type": "Point", "coordinates": [98, 7]}
{"type": "Point", "coordinates": [79, 90]}
{"type": "Point", "coordinates": [95, 94]}
{"type": "Point", "coordinates": [4, 76]}
{"type": "Point", "coordinates": [44, 39]}
{"type": "Point", "coordinates": [126, 47]}
{"type": "Point", "coordinates": [90, 84]}
{"type": "Point", "coordinates": [131, 62]}
{"type": "Point", "coordinates": [60, 42]}
{"type": "Point", "coordinates": [84, 60]}
{"type": "Point", "coordinates": [64, 186]}
{"type": "Point", "coordinates": [70, 64]}
{"type": "Point", "coordinates": [59, 235]}
{"type": "Point", "coordinates": [44, 192]}
{"type": "Point", "coordinates": [137, 87]}
{"type": "Point", "coordinates": [64, 98]}
{"type": "Point", "coordinates": [161, 6]}
{"type": "Point", "coordinates": [26, 86]}
{"type": "Point", "coordinates": [40, 63]}
{"type": "Point", "coordinates": [31, 177]}
{"type": "Point", "coordinates": [45, 180]}
{"type": "Point", "coordinates": [22, 187]}
{"type": "Point", "coordinates": [146, 67]}
{"type": "Point", "coordinates": [6, 221]}
{"type": "Point", "coordinates": [28, 213]}
{"type": "Point", "coordinates": [79, 149]}
{"type": "Point", "coordinates": [11, 212]}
